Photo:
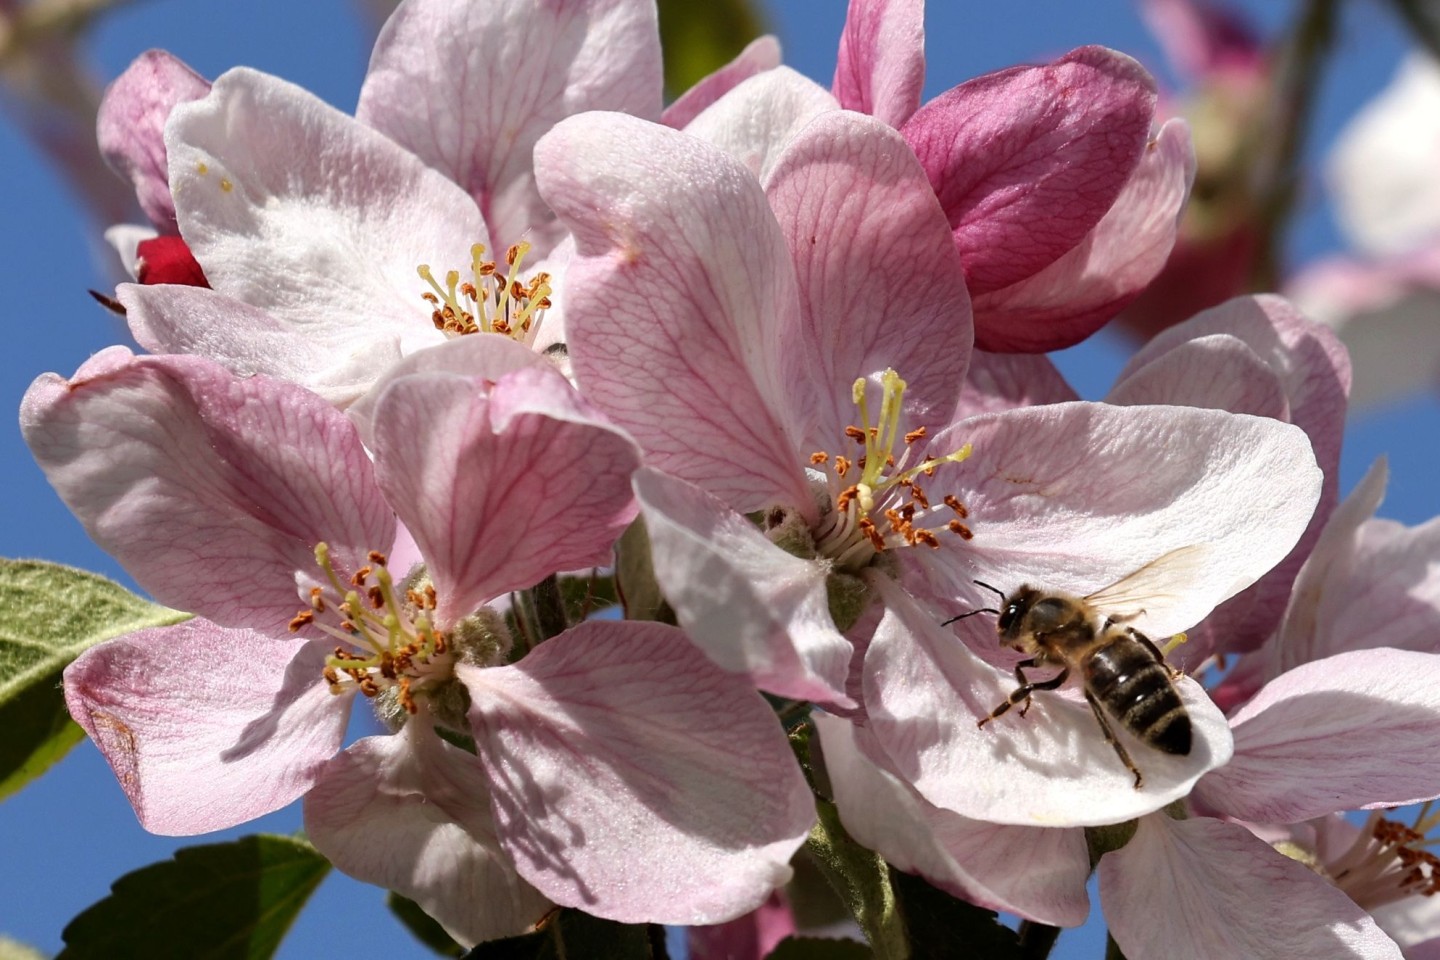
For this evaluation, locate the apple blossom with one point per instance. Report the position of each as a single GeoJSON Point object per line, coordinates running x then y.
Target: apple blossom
{"type": "Point", "coordinates": [687, 331]}
{"type": "Point", "coordinates": [1253, 355]}
{"type": "Point", "coordinates": [281, 239]}
{"type": "Point", "coordinates": [1348, 732]}
{"type": "Point", "coordinates": [1382, 299]}
{"type": "Point", "coordinates": [1384, 865]}
{"type": "Point", "coordinates": [591, 777]}
{"type": "Point", "coordinates": [1062, 203]}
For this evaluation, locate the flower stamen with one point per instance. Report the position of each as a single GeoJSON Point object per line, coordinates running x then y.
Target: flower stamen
{"type": "Point", "coordinates": [386, 644]}
{"type": "Point", "coordinates": [1388, 861]}
{"type": "Point", "coordinates": [886, 506]}
{"type": "Point", "coordinates": [490, 301]}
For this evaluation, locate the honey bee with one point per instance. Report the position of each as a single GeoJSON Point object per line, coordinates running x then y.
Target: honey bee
{"type": "Point", "coordinates": [1123, 673]}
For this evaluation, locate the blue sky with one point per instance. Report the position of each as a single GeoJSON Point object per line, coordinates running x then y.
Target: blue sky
{"type": "Point", "coordinates": [68, 836]}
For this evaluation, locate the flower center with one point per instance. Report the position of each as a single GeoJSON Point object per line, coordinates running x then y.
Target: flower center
{"type": "Point", "coordinates": [490, 301]}
{"type": "Point", "coordinates": [1388, 861]}
{"type": "Point", "coordinates": [876, 501]}
{"type": "Point", "coordinates": [388, 641]}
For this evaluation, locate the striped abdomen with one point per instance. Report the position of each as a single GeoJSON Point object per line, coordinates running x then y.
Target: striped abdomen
{"type": "Point", "coordinates": [1135, 689]}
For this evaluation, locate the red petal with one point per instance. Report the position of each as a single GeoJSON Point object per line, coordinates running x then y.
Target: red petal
{"type": "Point", "coordinates": [168, 260]}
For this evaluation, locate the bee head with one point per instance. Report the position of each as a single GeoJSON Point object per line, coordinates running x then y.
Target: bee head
{"type": "Point", "coordinates": [1013, 615]}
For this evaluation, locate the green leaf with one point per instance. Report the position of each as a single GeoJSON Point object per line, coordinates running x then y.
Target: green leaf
{"type": "Point", "coordinates": [818, 948]}
{"type": "Point", "coordinates": [15, 950]}
{"type": "Point", "coordinates": [574, 935]}
{"type": "Point", "coordinates": [216, 902]}
{"type": "Point", "coordinates": [936, 921]}
{"type": "Point", "coordinates": [423, 926]}
{"type": "Point", "coordinates": [49, 615]}
{"type": "Point", "coordinates": [699, 38]}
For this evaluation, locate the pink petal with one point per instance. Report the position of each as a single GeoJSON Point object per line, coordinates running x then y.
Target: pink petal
{"type": "Point", "coordinates": [754, 121]}
{"type": "Point", "coordinates": [470, 88]}
{"type": "Point", "coordinates": [925, 693]}
{"type": "Point", "coordinates": [256, 170]}
{"type": "Point", "coordinates": [169, 318]}
{"type": "Point", "coordinates": [1037, 873]}
{"type": "Point", "coordinates": [207, 727]}
{"type": "Point", "coordinates": [1387, 575]}
{"type": "Point", "coordinates": [1202, 37]}
{"type": "Point", "coordinates": [1077, 496]}
{"type": "Point", "coordinates": [862, 224]}
{"type": "Point", "coordinates": [211, 490]}
{"type": "Point", "coordinates": [1026, 161]}
{"type": "Point", "coordinates": [1414, 923]}
{"type": "Point", "coordinates": [130, 127]}
{"type": "Point", "coordinates": [1393, 567]}
{"type": "Point", "coordinates": [486, 358]}
{"type": "Point", "coordinates": [1381, 169]}
{"type": "Point", "coordinates": [1004, 381]}
{"type": "Point", "coordinates": [759, 55]}
{"type": "Point", "coordinates": [634, 779]}
{"type": "Point", "coordinates": [411, 813]}
{"type": "Point", "coordinates": [1354, 730]}
{"type": "Point", "coordinates": [501, 483]}
{"type": "Point", "coordinates": [1201, 889]}
{"type": "Point", "coordinates": [675, 296]}
{"type": "Point", "coordinates": [1215, 372]}
{"type": "Point", "coordinates": [1076, 294]}
{"type": "Point", "coordinates": [1315, 374]}
{"type": "Point", "coordinates": [748, 604]}
{"type": "Point", "coordinates": [880, 68]}
{"type": "Point", "coordinates": [751, 936]}
{"type": "Point", "coordinates": [1322, 618]}
{"type": "Point", "coordinates": [1383, 312]}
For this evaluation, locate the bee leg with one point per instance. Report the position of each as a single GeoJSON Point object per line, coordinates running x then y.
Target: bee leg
{"type": "Point", "coordinates": [1022, 692]}
{"type": "Point", "coordinates": [1175, 672]}
{"type": "Point", "coordinates": [1111, 739]}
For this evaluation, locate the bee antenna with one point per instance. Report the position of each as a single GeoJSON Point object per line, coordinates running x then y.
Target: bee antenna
{"type": "Point", "coordinates": [998, 592]}
{"type": "Point", "coordinates": [970, 614]}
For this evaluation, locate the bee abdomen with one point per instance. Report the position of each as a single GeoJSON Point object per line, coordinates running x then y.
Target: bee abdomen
{"type": "Point", "coordinates": [1136, 689]}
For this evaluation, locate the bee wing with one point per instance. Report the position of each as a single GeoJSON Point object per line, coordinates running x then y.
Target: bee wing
{"type": "Point", "coordinates": [1156, 585]}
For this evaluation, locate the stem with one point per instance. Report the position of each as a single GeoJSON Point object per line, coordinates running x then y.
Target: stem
{"type": "Point", "coordinates": [525, 630]}
{"type": "Point", "coordinates": [1424, 22]}
{"type": "Point", "coordinates": [1037, 940]}
{"type": "Point", "coordinates": [43, 20]}
{"type": "Point", "coordinates": [549, 607]}
{"type": "Point", "coordinates": [1287, 123]}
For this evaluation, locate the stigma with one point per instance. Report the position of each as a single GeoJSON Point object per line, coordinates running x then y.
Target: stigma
{"type": "Point", "coordinates": [876, 498]}
{"type": "Point", "coordinates": [388, 642]}
{"type": "Point", "coordinates": [492, 300]}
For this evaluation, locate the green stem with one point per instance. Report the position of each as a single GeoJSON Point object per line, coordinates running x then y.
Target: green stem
{"type": "Point", "coordinates": [859, 876]}
{"type": "Point", "coordinates": [526, 630]}
{"type": "Point", "coordinates": [1287, 122]}
{"type": "Point", "coordinates": [549, 607]}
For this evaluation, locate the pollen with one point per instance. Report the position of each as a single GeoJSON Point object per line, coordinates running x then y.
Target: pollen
{"type": "Point", "coordinates": [387, 642]}
{"type": "Point", "coordinates": [885, 506]}
{"type": "Point", "coordinates": [490, 300]}
{"type": "Point", "coordinates": [1389, 861]}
